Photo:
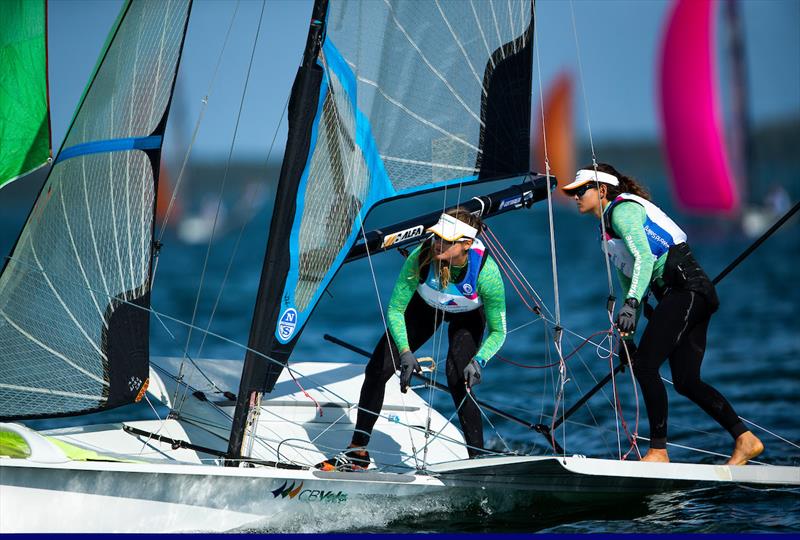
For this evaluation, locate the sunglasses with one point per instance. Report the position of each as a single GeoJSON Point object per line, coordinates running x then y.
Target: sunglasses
{"type": "Point", "coordinates": [447, 243]}
{"type": "Point", "coordinates": [580, 191]}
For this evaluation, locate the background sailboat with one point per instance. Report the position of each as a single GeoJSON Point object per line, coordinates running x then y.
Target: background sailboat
{"type": "Point", "coordinates": [712, 162]}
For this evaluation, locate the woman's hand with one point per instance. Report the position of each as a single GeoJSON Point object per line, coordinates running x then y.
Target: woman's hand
{"type": "Point", "coordinates": [408, 365]}
{"type": "Point", "coordinates": [472, 373]}
{"type": "Point", "coordinates": [626, 318]}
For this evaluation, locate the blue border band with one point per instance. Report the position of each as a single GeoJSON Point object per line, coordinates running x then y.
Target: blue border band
{"type": "Point", "coordinates": [151, 142]}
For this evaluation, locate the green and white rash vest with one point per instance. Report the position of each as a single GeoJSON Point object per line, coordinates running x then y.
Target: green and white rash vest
{"type": "Point", "coordinates": [490, 294]}
{"type": "Point", "coordinates": [639, 236]}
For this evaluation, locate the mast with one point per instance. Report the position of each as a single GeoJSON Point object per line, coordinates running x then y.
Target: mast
{"type": "Point", "coordinates": [258, 371]}
{"type": "Point", "coordinates": [741, 135]}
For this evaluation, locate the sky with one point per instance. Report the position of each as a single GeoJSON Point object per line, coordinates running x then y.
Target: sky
{"type": "Point", "coordinates": [618, 41]}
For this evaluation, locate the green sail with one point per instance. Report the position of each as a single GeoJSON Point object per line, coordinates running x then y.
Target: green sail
{"type": "Point", "coordinates": [24, 112]}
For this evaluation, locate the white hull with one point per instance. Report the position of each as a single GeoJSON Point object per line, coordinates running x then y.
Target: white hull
{"type": "Point", "coordinates": [184, 490]}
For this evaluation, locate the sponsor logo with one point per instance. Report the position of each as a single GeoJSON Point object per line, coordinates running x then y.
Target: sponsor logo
{"type": "Point", "coordinates": [510, 202]}
{"type": "Point", "coordinates": [287, 323]}
{"type": "Point", "coordinates": [391, 239]}
{"type": "Point", "coordinates": [467, 288]}
{"type": "Point", "coordinates": [293, 490]}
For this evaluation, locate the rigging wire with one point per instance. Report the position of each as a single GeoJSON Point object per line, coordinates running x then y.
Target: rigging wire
{"type": "Point", "coordinates": [222, 186]}
{"type": "Point", "coordinates": [554, 264]}
{"type": "Point", "coordinates": [201, 115]}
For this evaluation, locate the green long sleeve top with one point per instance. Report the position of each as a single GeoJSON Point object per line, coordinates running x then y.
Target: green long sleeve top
{"type": "Point", "coordinates": [628, 222]}
{"type": "Point", "coordinates": [490, 290]}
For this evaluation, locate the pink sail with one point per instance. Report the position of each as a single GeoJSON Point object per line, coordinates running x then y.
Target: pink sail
{"type": "Point", "coordinates": [690, 111]}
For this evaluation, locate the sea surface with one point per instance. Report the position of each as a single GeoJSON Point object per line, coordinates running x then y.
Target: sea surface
{"type": "Point", "coordinates": [753, 354]}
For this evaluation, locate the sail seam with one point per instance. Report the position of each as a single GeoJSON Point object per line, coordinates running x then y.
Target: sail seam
{"type": "Point", "coordinates": [91, 230]}
{"type": "Point", "coordinates": [50, 391]}
{"type": "Point", "coordinates": [51, 351]}
{"type": "Point", "coordinates": [78, 258]}
{"type": "Point", "coordinates": [61, 301]}
{"type": "Point", "coordinates": [483, 35]}
{"type": "Point", "coordinates": [461, 47]}
{"type": "Point", "coordinates": [417, 117]}
{"type": "Point", "coordinates": [430, 66]}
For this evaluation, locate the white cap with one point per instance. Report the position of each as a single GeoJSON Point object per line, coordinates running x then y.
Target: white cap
{"type": "Point", "coordinates": [585, 176]}
{"type": "Point", "coordinates": [452, 229]}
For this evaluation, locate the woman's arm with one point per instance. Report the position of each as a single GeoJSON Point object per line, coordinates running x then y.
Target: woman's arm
{"type": "Point", "coordinates": [404, 289]}
{"type": "Point", "coordinates": [493, 296]}
{"type": "Point", "coordinates": [628, 222]}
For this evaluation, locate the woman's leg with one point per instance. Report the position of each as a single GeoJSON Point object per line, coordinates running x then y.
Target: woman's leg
{"type": "Point", "coordinates": [421, 322]}
{"type": "Point", "coordinates": [464, 333]}
{"type": "Point", "coordinates": [674, 316]}
{"type": "Point", "coordinates": [685, 364]}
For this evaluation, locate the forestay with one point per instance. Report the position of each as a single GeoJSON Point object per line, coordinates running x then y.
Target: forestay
{"type": "Point", "coordinates": [73, 336]}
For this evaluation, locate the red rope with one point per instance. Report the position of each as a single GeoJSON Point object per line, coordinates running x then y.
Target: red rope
{"type": "Point", "coordinates": [304, 391]}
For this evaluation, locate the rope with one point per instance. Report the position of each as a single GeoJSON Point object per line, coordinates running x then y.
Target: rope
{"type": "Point", "coordinates": [610, 305]}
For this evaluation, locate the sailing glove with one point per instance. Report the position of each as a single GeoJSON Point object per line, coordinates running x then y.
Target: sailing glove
{"type": "Point", "coordinates": [626, 318]}
{"type": "Point", "coordinates": [472, 373]}
{"type": "Point", "coordinates": [408, 364]}
{"type": "Point", "coordinates": [627, 348]}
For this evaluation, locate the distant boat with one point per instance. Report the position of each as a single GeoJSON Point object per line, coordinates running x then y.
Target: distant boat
{"type": "Point", "coordinates": [558, 128]}
{"type": "Point", "coordinates": [708, 176]}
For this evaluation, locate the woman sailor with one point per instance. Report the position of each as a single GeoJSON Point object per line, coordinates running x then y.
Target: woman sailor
{"type": "Point", "coordinates": [650, 250]}
{"type": "Point", "coordinates": [448, 277]}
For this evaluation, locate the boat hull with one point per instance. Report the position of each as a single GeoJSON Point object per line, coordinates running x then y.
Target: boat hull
{"type": "Point", "coordinates": [114, 497]}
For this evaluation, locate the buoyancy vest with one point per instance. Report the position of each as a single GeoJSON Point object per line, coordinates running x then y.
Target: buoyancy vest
{"type": "Point", "coordinates": [681, 269]}
{"type": "Point", "coordinates": [662, 233]}
{"type": "Point", "coordinates": [455, 297]}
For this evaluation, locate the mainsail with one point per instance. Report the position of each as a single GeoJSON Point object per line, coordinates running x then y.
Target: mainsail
{"type": "Point", "coordinates": [24, 111]}
{"type": "Point", "coordinates": [394, 98]}
{"type": "Point", "coordinates": [73, 334]}
{"type": "Point", "coordinates": [691, 116]}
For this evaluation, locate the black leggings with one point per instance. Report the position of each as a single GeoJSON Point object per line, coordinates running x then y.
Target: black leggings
{"type": "Point", "coordinates": [677, 330]}
{"type": "Point", "coordinates": [464, 334]}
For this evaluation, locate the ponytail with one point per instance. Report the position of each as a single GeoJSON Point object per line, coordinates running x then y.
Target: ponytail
{"type": "Point", "coordinates": [626, 183]}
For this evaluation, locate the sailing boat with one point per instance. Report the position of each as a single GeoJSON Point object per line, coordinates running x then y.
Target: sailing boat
{"type": "Point", "coordinates": [709, 176]}
{"type": "Point", "coordinates": [74, 293]}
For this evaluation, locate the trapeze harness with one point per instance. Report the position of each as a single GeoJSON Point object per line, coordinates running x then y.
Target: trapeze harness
{"type": "Point", "coordinates": [678, 326]}
{"type": "Point", "coordinates": [681, 269]}
{"type": "Point", "coordinates": [455, 297]}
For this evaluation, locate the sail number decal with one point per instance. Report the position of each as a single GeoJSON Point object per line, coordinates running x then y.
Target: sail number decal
{"type": "Point", "coordinates": [391, 239]}
{"type": "Point", "coordinates": [287, 324]}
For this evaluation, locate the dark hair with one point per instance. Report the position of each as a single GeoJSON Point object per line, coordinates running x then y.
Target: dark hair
{"type": "Point", "coordinates": [626, 183]}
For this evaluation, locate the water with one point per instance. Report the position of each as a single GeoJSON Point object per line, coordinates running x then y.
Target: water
{"type": "Point", "coordinates": [752, 357]}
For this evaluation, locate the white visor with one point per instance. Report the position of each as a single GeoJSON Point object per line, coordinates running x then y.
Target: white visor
{"type": "Point", "coordinates": [452, 229]}
{"type": "Point", "coordinates": [584, 176]}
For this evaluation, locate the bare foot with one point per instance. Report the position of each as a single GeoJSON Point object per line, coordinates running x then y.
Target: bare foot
{"type": "Point", "coordinates": [656, 455]}
{"type": "Point", "coordinates": [747, 447]}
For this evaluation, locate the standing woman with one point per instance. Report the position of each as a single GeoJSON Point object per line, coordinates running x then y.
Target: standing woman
{"type": "Point", "coordinates": [650, 250]}
{"type": "Point", "coordinates": [448, 277]}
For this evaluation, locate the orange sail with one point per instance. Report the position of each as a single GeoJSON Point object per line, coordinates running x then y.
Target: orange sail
{"type": "Point", "coordinates": [558, 130]}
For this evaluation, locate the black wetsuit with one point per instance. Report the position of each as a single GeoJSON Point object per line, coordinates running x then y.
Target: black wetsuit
{"type": "Point", "coordinates": [464, 332]}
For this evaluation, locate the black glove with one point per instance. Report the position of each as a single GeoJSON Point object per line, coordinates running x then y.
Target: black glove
{"type": "Point", "coordinates": [408, 365]}
{"type": "Point", "coordinates": [626, 318]}
{"type": "Point", "coordinates": [472, 373]}
{"type": "Point", "coordinates": [627, 349]}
